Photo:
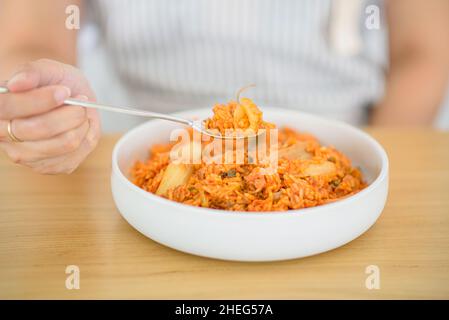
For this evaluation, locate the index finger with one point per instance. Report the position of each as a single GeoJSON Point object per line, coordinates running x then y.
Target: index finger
{"type": "Point", "coordinates": [34, 74]}
{"type": "Point", "coordinates": [33, 102]}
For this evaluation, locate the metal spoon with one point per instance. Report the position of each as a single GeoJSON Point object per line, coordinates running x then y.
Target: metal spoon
{"type": "Point", "coordinates": [197, 125]}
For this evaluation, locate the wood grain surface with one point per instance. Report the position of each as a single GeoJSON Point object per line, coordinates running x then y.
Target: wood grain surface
{"type": "Point", "coordinates": [50, 222]}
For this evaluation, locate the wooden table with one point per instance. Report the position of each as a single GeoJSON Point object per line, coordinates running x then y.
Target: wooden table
{"type": "Point", "coordinates": [50, 222]}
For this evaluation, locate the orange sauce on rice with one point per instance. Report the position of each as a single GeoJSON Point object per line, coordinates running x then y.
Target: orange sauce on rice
{"type": "Point", "coordinates": [308, 174]}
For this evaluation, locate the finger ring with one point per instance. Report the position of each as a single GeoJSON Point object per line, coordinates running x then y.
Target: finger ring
{"type": "Point", "coordinates": [10, 134]}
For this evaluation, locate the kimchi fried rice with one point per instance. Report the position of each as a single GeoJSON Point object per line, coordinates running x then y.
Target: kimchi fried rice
{"type": "Point", "coordinates": [307, 174]}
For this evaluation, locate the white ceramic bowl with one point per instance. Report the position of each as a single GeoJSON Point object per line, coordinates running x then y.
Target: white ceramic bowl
{"type": "Point", "coordinates": [249, 236]}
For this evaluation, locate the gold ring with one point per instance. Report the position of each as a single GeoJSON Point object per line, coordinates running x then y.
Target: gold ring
{"type": "Point", "coordinates": [10, 134]}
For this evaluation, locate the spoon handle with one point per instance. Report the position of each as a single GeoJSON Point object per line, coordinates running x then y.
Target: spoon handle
{"type": "Point", "coordinates": [124, 110]}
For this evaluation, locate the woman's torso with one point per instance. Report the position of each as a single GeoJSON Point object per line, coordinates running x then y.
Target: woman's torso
{"type": "Point", "coordinates": [172, 55]}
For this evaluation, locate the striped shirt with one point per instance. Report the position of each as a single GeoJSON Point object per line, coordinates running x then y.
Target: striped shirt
{"type": "Point", "coordinates": [312, 55]}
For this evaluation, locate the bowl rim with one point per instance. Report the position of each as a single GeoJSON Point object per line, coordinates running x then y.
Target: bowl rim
{"type": "Point", "coordinates": [383, 174]}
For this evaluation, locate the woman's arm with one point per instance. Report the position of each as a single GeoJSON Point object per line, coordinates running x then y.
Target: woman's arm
{"type": "Point", "coordinates": [47, 135]}
{"type": "Point", "coordinates": [32, 30]}
{"type": "Point", "coordinates": [419, 62]}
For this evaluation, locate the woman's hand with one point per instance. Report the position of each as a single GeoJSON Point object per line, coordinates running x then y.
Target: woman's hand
{"type": "Point", "coordinates": [55, 137]}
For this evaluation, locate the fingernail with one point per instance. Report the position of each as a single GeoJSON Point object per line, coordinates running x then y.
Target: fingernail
{"type": "Point", "coordinates": [82, 97]}
{"type": "Point", "coordinates": [61, 94]}
{"type": "Point", "coordinates": [17, 78]}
